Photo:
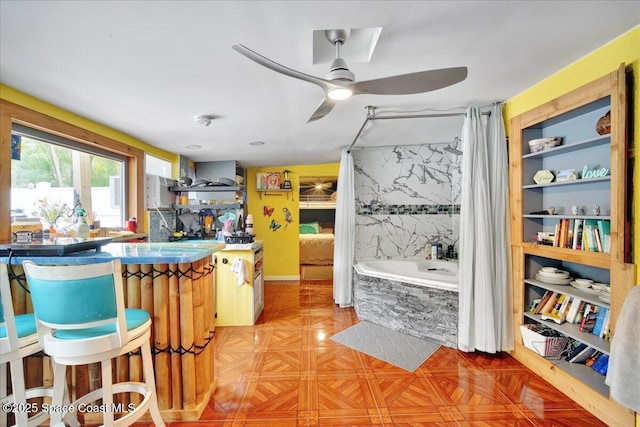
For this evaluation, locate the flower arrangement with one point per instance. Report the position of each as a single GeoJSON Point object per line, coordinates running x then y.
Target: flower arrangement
{"type": "Point", "coordinates": [50, 212]}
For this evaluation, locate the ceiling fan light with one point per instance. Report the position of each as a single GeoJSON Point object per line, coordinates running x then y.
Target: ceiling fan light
{"type": "Point", "coordinates": [340, 93]}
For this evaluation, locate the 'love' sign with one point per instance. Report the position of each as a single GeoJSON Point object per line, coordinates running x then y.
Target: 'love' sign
{"type": "Point", "coordinates": [594, 173]}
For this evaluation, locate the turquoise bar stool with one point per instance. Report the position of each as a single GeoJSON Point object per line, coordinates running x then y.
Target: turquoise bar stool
{"type": "Point", "coordinates": [18, 339]}
{"type": "Point", "coordinates": [81, 319]}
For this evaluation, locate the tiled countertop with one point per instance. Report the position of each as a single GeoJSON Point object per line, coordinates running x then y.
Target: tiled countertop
{"type": "Point", "coordinates": [133, 253]}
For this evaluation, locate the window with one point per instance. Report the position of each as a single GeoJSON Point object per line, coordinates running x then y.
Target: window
{"type": "Point", "coordinates": [50, 175]}
{"type": "Point", "coordinates": [157, 166]}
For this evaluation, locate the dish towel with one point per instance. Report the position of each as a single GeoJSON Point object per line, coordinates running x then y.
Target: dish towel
{"type": "Point", "coordinates": [623, 374]}
{"type": "Point", "coordinates": [240, 268]}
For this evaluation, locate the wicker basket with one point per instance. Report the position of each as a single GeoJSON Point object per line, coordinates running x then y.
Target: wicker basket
{"type": "Point", "coordinates": [544, 346]}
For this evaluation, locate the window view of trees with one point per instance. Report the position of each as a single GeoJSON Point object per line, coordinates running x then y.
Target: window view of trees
{"type": "Point", "coordinates": [53, 175]}
{"type": "Point", "coordinates": [45, 162]}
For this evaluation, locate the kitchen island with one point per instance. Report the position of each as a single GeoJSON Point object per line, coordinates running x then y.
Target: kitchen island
{"type": "Point", "coordinates": [175, 283]}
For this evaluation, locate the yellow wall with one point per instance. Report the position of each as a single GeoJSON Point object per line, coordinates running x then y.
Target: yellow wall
{"type": "Point", "coordinates": [281, 256]}
{"type": "Point", "coordinates": [20, 98]}
{"type": "Point", "coordinates": [598, 63]}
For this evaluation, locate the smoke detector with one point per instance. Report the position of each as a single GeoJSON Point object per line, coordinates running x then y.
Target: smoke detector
{"type": "Point", "coordinates": [204, 120]}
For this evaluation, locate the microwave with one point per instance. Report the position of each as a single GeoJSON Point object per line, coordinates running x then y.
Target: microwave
{"type": "Point", "coordinates": [158, 193]}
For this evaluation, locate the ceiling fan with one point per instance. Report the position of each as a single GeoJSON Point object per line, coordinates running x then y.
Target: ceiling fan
{"type": "Point", "coordinates": [316, 184]}
{"type": "Point", "coordinates": [340, 82]}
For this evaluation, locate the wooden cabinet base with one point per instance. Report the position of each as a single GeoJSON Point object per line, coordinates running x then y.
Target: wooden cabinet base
{"type": "Point", "coordinates": [181, 301]}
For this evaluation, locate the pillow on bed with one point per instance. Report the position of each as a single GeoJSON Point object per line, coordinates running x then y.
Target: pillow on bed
{"type": "Point", "coordinates": [326, 227]}
{"type": "Point", "coordinates": [308, 229]}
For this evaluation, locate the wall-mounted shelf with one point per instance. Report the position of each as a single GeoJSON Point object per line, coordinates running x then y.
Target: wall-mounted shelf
{"type": "Point", "coordinates": [277, 192]}
{"type": "Point", "coordinates": [209, 188]}
{"type": "Point", "coordinates": [212, 207]}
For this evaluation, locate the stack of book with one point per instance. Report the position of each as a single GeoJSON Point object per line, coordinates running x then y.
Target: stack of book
{"type": "Point", "coordinates": [560, 307]}
{"type": "Point", "coordinates": [589, 356]}
{"type": "Point", "coordinates": [583, 234]}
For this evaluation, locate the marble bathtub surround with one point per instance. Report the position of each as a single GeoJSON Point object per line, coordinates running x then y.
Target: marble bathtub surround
{"type": "Point", "coordinates": [406, 197]}
{"type": "Point", "coordinates": [418, 311]}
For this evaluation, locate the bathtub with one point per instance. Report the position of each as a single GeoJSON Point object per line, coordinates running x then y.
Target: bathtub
{"type": "Point", "coordinates": [415, 297]}
{"type": "Point", "coordinates": [437, 274]}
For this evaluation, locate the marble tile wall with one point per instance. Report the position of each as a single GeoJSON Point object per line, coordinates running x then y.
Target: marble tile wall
{"type": "Point", "coordinates": [407, 197]}
{"type": "Point", "coordinates": [419, 311]}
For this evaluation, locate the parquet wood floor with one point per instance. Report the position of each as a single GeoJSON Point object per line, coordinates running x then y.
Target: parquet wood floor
{"type": "Point", "coordinates": [285, 371]}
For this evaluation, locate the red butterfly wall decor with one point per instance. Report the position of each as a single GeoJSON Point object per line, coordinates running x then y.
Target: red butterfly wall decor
{"type": "Point", "coordinates": [267, 210]}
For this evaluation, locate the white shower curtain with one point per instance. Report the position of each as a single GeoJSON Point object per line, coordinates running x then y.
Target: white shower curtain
{"type": "Point", "coordinates": [485, 290]}
{"type": "Point", "coordinates": [344, 230]}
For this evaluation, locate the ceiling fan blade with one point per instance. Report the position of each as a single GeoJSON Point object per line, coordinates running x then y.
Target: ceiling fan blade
{"type": "Point", "coordinates": [266, 62]}
{"type": "Point", "coordinates": [407, 84]}
{"type": "Point", "coordinates": [323, 109]}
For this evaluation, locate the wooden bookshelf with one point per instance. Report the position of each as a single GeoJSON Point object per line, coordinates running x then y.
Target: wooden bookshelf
{"type": "Point", "coordinates": [573, 117]}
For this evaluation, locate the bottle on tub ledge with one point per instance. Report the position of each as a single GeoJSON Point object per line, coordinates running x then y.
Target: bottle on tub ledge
{"type": "Point", "coordinates": [436, 251]}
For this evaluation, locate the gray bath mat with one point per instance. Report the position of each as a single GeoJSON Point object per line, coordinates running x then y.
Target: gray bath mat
{"type": "Point", "coordinates": [393, 347]}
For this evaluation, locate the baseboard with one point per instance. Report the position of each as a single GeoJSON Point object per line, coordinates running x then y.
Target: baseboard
{"type": "Point", "coordinates": [283, 278]}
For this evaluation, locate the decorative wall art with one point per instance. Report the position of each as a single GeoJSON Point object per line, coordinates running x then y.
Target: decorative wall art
{"type": "Point", "coordinates": [287, 217]}
{"type": "Point", "coordinates": [566, 175]}
{"type": "Point", "coordinates": [267, 210]}
{"type": "Point", "coordinates": [594, 173]}
{"type": "Point", "coordinates": [268, 181]}
{"type": "Point", "coordinates": [543, 177]}
{"type": "Point", "coordinates": [603, 127]}
{"type": "Point", "coordinates": [275, 225]}
{"type": "Point", "coordinates": [16, 145]}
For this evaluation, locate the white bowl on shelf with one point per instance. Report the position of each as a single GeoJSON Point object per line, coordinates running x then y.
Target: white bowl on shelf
{"type": "Point", "coordinates": [557, 274]}
{"type": "Point", "coordinates": [588, 289]}
{"type": "Point", "coordinates": [584, 283]}
{"type": "Point", "coordinates": [554, 281]}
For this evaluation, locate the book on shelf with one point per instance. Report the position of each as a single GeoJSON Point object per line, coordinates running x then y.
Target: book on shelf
{"type": "Point", "coordinates": [548, 305]}
{"type": "Point", "coordinates": [606, 325]}
{"type": "Point", "coordinates": [601, 315]}
{"type": "Point", "coordinates": [601, 364]}
{"type": "Point", "coordinates": [556, 306]}
{"type": "Point", "coordinates": [570, 226]}
{"type": "Point", "coordinates": [543, 301]}
{"type": "Point", "coordinates": [593, 358]}
{"type": "Point", "coordinates": [589, 318]}
{"type": "Point", "coordinates": [534, 305]}
{"type": "Point", "coordinates": [556, 235]}
{"type": "Point", "coordinates": [565, 233]}
{"type": "Point", "coordinates": [564, 308]}
{"type": "Point", "coordinates": [604, 226]}
{"type": "Point", "coordinates": [573, 310]}
{"type": "Point", "coordinates": [596, 231]}
{"type": "Point", "coordinates": [577, 235]}
{"type": "Point", "coordinates": [584, 355]}
{"type": "Point", "coordinates": [607, 243]}
{"type": "Point", "coordinates": [580, 313]}
{"type": "Point", "coordinates": [589, 227]}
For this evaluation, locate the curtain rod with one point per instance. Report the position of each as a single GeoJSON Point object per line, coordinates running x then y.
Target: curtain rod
{"type": "Point", "coordinates": [371, 115]}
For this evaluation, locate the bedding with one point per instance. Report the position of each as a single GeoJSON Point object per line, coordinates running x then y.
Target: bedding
{"type": "Point", "coordinates": [316, 249]}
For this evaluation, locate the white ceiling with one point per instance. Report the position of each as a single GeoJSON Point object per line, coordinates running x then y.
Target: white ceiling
{"type": "Point", "coordinates": [147, 68]}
